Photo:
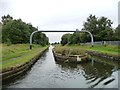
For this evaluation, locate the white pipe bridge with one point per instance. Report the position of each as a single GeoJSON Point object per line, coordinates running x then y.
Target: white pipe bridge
{"type": "Point", "coordinates": [92, 42]}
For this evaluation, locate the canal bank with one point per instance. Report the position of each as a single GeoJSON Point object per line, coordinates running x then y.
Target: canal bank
{"type": "Point", "coordinates": [15, 71]}
{"type": "Point", "coordinates": [104, 55]}
{"type": "Point", "coordinates": [110, 52]}
{"type": "Point", "coordinates": [46, 73]}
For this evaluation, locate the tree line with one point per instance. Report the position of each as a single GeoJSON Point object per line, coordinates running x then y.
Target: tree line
{"type": "Point", "coordinates": [15, 31]}
{"type": "Point", "coordinates": [101, 29]}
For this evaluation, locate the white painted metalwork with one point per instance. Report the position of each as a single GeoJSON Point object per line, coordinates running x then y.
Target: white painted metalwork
{"type": "Point", "coordinates": [92, 42]}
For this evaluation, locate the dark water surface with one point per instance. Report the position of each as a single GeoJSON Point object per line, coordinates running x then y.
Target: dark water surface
{"type": "Point", "coordinates": [46, 73]}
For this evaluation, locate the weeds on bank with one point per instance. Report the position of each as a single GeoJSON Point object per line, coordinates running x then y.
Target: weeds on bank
{"type": "Point", "coordinates": [80, 49]}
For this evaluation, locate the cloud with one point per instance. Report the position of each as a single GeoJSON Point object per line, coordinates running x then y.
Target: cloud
{"type": "Point", "coordinates": [59, 14]}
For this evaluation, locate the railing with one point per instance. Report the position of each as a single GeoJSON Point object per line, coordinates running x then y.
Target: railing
{"type": "Point", "coordinates": [104, 42]}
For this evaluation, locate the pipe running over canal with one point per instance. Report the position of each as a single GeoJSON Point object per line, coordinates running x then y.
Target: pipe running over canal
{"type": "Point", "coordinates": [77, 30]}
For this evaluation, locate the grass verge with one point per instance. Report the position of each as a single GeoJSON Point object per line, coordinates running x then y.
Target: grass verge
{"type": "Point", "coordinates": [18, 54]}
{"type": "Point", "coordinates": [80, 49]}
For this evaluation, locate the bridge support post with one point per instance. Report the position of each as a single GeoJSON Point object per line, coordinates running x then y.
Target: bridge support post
{"type": "Point", "coordinates": [30, 46]}
{"type": "Point", "coordinates": [92, 42]}
{"type": "Point", "coordinates": [31, 38]}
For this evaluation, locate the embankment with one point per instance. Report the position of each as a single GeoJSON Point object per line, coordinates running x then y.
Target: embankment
{"type": "Point", "coordinates": [110, 52]}
{"type": "Point", "coordinates": [104, 55]}
{"type": "Point", "coordinates": [13, 72]}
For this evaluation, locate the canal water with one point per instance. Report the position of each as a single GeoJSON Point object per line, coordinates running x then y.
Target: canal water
{"type": "Point", "coordinates": [46, 73]}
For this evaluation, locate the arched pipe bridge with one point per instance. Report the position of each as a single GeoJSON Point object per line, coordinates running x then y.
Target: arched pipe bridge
{"type": "Point", "coordinates": [92, 42]}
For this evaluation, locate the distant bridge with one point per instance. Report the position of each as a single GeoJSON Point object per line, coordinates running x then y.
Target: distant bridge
{"type": "Point", "coordinates": [60, 31]}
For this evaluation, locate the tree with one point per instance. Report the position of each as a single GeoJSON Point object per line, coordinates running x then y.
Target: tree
{"type": "Point", "coordinates": [84, 37]}
{"type": "Point", "coordinates": [106, 35]}
{"type": "Point", "coordinates": [6, 19]}
{"type": "Point", "coordinates": [116, 34]}
{"type": "Point", "coordinates": [16, 31]}
{"type": "Point", "coordinates": [71, 38]}
{"type": "Point", "coordinates": [65, 39]}
{"type": "Point", "coordinates": [103, 23]}
{"type": "Point", "coordinates": [0, 32]}
{"type": "Point", "coordinates": [91, 24]}
{"type": "Point", "coordinates": [75, 38]}
{"type": "Point", "coordinates": [100, 27]}
{"type": "Point", "coordinates": [40, 38]}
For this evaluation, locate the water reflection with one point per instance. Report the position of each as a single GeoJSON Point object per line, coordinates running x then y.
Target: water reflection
{"type": "Point", "coordinates": [94, 71]}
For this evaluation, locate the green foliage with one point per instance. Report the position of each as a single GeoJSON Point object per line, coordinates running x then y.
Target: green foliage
{"type": "Point", "coordinates": [40, 38]}
{"type": "Point", "coordinates": [16, 31]}
{"type": "Point", "coordinates": [69, 50]}
{"type": "Point", "coordinates": [71, 38]}
{"type": "Point", "coordinates": [76, 51]}
{"type": "Point", "coordinates": [75, 38]}
{"type": "Point", "coordinates": [0, 32]}
{"type": "Point", "coordinates": [100, 28]}
{"type": "Point", "coordinates": [6, 19]}
{"type": "Point", "coordinates": [91, 24]}
{"type": "Point", "coordinates": [81, 49]}
{"type": "Point", "coordinates": [117, 33]}
{"type": "Point", "coordinates": [65, 39]}
{"type": "Point", "coordinates": [85, 37]}
{"type": "Point", "coordinates": [107, 49]}
{"type": "Point", "coordinates": [8, 42]}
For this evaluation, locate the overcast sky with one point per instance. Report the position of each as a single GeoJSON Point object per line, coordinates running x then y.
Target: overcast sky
{"type": "Point", "coordinates": [59, 14]}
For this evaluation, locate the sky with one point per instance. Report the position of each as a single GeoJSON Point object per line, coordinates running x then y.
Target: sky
{"type": "Point", "coordinates": [59, 14]}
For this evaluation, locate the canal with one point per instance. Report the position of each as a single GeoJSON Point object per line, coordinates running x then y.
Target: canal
{"type": "Point", "coordinates": [46, 73]}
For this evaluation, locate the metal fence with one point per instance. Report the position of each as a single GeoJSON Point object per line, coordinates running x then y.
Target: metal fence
{"type": "Point", "coordinates": [104, 42]}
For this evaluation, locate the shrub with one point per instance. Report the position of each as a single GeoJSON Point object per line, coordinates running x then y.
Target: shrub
{"type": "Point", "coordinates": [8, 42]}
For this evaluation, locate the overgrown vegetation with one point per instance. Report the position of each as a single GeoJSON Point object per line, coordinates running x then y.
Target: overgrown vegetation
{"type": "Point", "coordinates": [101, 29]}
{"type": "Point", "coordinates": [15, 31]}
{"type": "Point", "coordinates": [81, 49]}
{"type": "Point", "coordinates": [69, 49]}
{"type": "Point", "coordinates": [18, 54]}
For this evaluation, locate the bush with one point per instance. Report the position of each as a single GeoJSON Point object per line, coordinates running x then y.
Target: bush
{"type": "Point", "coordinates": [8, 42]}
{"type": "Point", "coordinates": [68, 50]}
{"type": "Point", "coordinates": [76, 51]}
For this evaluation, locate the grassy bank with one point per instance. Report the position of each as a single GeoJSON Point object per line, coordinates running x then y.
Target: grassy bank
{"type": "Point", "coordinates": [80, 49]}
{"type": "Point", "coordinates": [18, 54]}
